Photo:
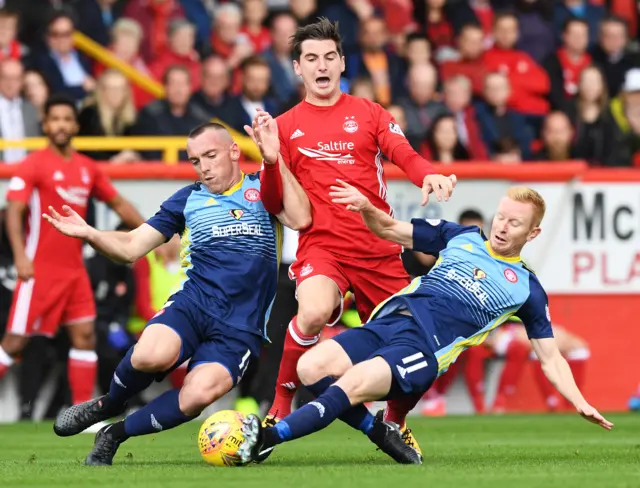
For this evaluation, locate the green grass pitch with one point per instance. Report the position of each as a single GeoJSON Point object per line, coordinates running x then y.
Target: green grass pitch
{"type": "Point", "coordinates": [470, 452]}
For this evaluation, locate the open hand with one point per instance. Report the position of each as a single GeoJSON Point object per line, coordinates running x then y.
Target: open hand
{"type": "Point", "coordinates": [441, 185]}
{"type": "Point", "coordinates": [592, 415]}
{"type": "Point", "coordinates": [264, 132]}
{"type": "Point", "coordinates": [348, 195]}
{"type": "Point", "coordinates": [70, 224]}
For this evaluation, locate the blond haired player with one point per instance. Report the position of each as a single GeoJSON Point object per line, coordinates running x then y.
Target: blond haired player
{"type": "Point", "coordinates": [415, 335]}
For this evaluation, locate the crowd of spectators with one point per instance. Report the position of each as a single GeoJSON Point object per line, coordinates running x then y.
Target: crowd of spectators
{"type": "Point", "coordinates": [467, 80]}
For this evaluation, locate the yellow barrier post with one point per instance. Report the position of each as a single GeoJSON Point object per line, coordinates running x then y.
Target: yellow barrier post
{"type": "Point", "coordinates": [106, 57]}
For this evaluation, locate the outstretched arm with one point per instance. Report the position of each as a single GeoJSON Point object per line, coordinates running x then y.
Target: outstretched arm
{"type": "Point", "coordinates": [557, 370]}
{"type": "Point", "coordinates": [380, 223]}
{"type": "Point", "coordinates": [124, 247]}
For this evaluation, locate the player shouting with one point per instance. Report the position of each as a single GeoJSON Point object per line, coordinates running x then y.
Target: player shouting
{"type": "Point", "coordinates": [53, 286]}
{"type": "Point", "coordinates": [333, 135]}
{"type": "Point", "coordinates": [415, 335]}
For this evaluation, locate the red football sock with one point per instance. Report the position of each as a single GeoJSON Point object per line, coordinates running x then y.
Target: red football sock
{"type": "Point", "coordinates": [177, 376]}
{"type": "Point", "coordinates": [474, 375]}
{"type": "Point", "coordinates": [398, 409]}
{"type": "Point", "coordinates": [549, 393]}
{"type": "Point", "coordinates": [516, 357]}
{"type": "Point", "coordinates": [295, 345]}
{"type": "Point", "coordinates": [83, 369]}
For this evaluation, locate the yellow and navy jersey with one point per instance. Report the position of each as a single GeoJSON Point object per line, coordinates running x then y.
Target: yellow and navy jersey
{"type": "Point", "coordinates": [469, 292]}
{"type": "Point", "coordinates": [230, 251]}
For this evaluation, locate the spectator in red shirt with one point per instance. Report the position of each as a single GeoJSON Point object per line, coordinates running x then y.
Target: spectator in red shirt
{"type": "Point", "coordinates": [564, 67]}
{"type": "Point", "coordinates": [229, 43]}
{"type": "Point", "coordinates": [255, 12]}
{"type": "Point", "coordinates": [557, 139]}
{"type": "Point", "coordinates": [470, 63]}
{"type": "Point", "coordinates": [180, 52]}
{"type": "Point", "coordinates": [457, 99]}
{"type": "Point", "coordinates": [10, 48]}
{"type": "Point", "coordinates": [126, 37]}
{"type": "Point", "coordinates": [529, 82]}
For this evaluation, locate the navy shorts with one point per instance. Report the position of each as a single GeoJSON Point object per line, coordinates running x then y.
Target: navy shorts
{"type": "Point", "coordinates": [399, 340]}
{"type": "Point", "coordinates": [207, 340]}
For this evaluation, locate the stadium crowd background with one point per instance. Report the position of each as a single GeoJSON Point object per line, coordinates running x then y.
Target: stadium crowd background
{"type": "Point", "coordinates": [510, 81]}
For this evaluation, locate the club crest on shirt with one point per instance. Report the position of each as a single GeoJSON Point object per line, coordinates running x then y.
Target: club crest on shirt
{"type": "Point", "coordinates": [236, 213]}
{"type": "Point", "coordinates": [395, 128]}
{"type": "Point", "coordinates": [252, 195]}
{"type": "Point", "coordinates": [350, 125]}
{"type": "Point", "coordinates": [478, 274]}
{"type": "Point", "coordinates": [84, 175]}
{"type": "Point", "coordinates": [510, 275]}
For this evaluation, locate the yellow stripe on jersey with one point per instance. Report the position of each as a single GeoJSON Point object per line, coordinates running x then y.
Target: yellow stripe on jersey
{"type": "Point", "coordinates": [446, 359]}
{"type": "Point", "coordinates": [185, 252]}
{"type": "Point", "coordinates": [410, 288]}
{"type": "Point", "coordinates": [501, 258]}
{"type": "Point", "coordinates": [235, 187]}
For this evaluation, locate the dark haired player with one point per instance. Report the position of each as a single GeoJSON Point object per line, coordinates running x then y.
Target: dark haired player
{"type": "Point", "coordinates": [333, 135]}
{"type": "Point", "coordinates": [53, 287]}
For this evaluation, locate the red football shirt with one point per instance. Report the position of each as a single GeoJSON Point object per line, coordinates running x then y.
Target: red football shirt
{"type": "Point", "coordinates": [346, 141]}
{"type": "Point", "coordinates": [46, 179]}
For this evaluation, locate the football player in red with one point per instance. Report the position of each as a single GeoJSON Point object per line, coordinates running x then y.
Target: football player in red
{"type": "Point", "coordinates": [331, 135]}
{"type": "Point", "coordinates": [53, 287]}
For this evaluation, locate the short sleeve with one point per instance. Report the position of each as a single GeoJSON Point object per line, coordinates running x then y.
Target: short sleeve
{"type": "Point", "coordinates": [432, 235]}
{"type": "Point", "coordinates": [23, 182]}
{"type": "Point", "coordinates": [534, 313]}
{"type": "Point", "coordinates": [103, 189]}
{"type": "Point", "coordinates": [169, 220]}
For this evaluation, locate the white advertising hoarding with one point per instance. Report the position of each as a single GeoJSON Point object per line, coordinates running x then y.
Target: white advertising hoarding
{"type": "Point", "coordinates": [591, 232]}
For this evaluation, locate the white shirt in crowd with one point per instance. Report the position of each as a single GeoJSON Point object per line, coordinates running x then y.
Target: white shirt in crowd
{"type": "Point", "coordinates": [12, 128]}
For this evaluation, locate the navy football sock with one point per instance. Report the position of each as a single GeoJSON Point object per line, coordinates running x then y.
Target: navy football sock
{"type": "Point", "coordinates": [126, 382]}
{"type": "Point", "coordinates": [312, 417]}
{"type": "Point", "coordinates": [162, 413]}
{"type": "Point", "coordinates": [357, 416]}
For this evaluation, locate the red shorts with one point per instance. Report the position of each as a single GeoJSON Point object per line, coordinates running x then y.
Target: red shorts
{"type": "Point", "coordinates": [370, 280]}
{"type": "Point", "coordinates": [41, 305]}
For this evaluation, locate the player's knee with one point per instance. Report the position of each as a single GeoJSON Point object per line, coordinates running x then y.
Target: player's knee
{"type": "Point", "coordinates": [200, 391]}
{"type": "Point", "coordinates": [311, 368]}
{"type": "Point", "coordinates": [151, 359]}
{"type": "Point", "coordinates": [310, 321]}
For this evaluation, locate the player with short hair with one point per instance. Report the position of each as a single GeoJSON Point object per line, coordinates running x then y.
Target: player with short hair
{"type": "Point", "coordinates": [216, 318]}
{"type": "Point", "coordinates": [332, 135]}
{"type": "Point", "coordinates": [53, 286]}
{"type": "Point", "coordinates": [415, 335]}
